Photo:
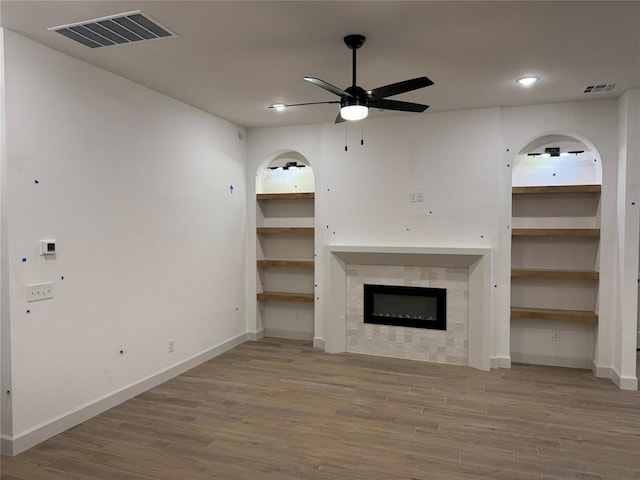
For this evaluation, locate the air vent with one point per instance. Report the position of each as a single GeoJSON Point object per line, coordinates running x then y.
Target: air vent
{"type": "Point", "coordinates": [600, 88]}
{"type": "Point", "coordinates": [114, 30]}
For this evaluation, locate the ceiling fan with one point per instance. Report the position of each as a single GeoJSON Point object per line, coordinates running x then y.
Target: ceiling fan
{"type": "Point", "coordinates": [355, 101]}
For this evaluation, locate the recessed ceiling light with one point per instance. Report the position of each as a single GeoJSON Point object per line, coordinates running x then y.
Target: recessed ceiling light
{"type": "Point", "coordinates": [527, 81]}
{"type": "Point", "coordinates": [278, 106]}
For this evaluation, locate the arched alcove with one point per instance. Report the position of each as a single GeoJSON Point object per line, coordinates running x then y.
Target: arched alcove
{"type": "Point", "coordinates": [532, 166]}
{"type": "Point", "coordinates": [287, 172]}
{"type": "Point", "coordinates": [285, 218]}
{"type": "Point", "coordinates": [556, 180]}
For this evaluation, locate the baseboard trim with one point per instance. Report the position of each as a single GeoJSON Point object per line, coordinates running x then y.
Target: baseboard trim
{"type": "Point", "coordinates": [601, 371]}
{"type": "Point", "coordinates": [39, 433]}
{"type": "Point", "coordinates": [318, 343]}
{"type": "Point", "coordinates": [551, 360]}
{"type": "Point", "coordinates": [255, 336]}
{"type": "Point", "coordinates": [623, 382]}
{"type": "Point", "coordinates": [288, 334]}
{"type": "Point", "coordinates": [500, 362]}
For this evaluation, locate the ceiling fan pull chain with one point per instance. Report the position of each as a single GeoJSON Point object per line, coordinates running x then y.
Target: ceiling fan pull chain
{"type": "Point", "coordinates": [345, 136]}
{"type": "Point", "coordinates": [362, 134]}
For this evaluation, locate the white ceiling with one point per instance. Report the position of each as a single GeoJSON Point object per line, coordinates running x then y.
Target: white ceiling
{"type": "Point", "coordinates": [234, 58]}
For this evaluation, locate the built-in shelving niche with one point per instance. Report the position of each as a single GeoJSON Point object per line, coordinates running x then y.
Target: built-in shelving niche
{"type": "Point", "coordinates": [555, 240]}
{"type": "Point", "coordinates": [285, 247]}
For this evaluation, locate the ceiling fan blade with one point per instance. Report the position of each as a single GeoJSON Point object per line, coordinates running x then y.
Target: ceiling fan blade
{"type": "Point", "coordinates": [400, 87]}
{"type": "Point", "coordinates": [327, 86]}
{"type": "Point", "coordinates": [339, 119]}
{"type": "Point", "coordinates": [399, 106]}
{"type": "Point", "coordinates": [284, 105]}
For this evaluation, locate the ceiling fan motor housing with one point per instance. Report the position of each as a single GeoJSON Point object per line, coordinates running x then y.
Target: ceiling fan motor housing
{"type": "Point", "coordinates": [355, 96]}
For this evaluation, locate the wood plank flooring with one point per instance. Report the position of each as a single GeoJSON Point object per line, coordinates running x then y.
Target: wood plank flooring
{"type": "Point", "coordinates": [279, 409]}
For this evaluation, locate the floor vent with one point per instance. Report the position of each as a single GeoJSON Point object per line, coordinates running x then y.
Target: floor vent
{"type": "Point", "coordinates": [602, 87]}
{"type": "Point", "coordinates": [114, 30]}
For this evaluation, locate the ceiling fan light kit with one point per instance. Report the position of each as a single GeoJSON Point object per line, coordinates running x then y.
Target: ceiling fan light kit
{"type": "Point", "coordinates": [355, 101]}
{"type": "Point", "coordinates": [354, 112]}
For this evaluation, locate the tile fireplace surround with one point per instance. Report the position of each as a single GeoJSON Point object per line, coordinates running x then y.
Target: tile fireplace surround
{"type": "Point", "coordinates": [449, 346]}
{"type": "Point", "coordinates": [465, 272]}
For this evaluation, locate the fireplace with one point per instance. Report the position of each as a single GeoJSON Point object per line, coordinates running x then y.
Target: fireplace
{"type": "Point", "coordinates": [400, 306]}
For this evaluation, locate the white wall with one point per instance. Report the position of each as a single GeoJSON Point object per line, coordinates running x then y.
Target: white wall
{"type": "Point", "coordinates": [5, 336]}
{"type": "Point", "coordinates": [135, 187]}
{"type": "Point", "coordinates": [462, 162]}
{"type": "Point", "coordinates": [629, 224]}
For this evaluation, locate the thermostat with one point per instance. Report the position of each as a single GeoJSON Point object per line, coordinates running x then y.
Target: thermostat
{"type": "Point", "coordinates": [48, 247]}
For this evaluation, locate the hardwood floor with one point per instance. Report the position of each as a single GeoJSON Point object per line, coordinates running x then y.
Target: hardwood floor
{"type": "Point", "coordinates": [281, 410]}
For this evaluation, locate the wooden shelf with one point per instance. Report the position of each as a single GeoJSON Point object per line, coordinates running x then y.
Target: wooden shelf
{"type": "Point", "coordinates": [286, 196]}
{"type": "Point", "coordinates": [274, 262]}
{"type": "Point", "coordinates": [269, 230]}
{"type": "Point", "coordinates": [286, 297]}
{"type": "Point", "coordinates": [547, 314]}
{"type": "Point", "coordinates": [556, 189]}
{"type": "Point", "coordinates": [555, 232]}
{"type": "Point", "coordinates": [549, 273]}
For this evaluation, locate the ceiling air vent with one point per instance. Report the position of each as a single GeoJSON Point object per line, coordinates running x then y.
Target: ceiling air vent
{"type": "Point", "coordinates": [601, 87]}
{"type": "Point", "coordinates": [114, 30]}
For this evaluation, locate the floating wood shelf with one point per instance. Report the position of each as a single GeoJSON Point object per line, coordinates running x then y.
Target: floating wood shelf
{"type": "Point", "coordinates": [286, 196]}
{"type": "Point", "coordinates": [273, 262]}
{"type": "Point", "coordinates": [268, 230]}
{"type": "Point", "coordinates": [549, 273]}
{"type": "Point", "coordinates": [555, 232]}
{"type": "Point", "coordinates": [548, 314]}
{"type": "Point", "coordinates": [286, 297]}
{"type": "Point", "coordinates": [556, 189]}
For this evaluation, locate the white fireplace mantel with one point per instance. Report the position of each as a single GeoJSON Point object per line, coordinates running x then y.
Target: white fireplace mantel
{"type": "Point", "coordinates": [477, 260]}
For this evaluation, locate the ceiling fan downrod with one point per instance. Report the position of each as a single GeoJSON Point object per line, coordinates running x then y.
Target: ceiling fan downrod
{"type": "Point", "coordinates": [354, 42]}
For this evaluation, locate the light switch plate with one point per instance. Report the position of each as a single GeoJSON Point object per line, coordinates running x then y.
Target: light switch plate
{"type": "Point", "coordinates": [39, 291]}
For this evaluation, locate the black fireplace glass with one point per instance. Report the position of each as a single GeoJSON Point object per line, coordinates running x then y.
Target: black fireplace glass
{"type": "Point", "coordinates": [417, 307]}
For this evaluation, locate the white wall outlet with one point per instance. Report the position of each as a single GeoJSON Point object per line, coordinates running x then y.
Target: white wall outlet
{"type": "Point", "coordinates": [39, 291]}
{"type": "Point", "coordinates": [555, 336]}
{"type": "Point", "coordinates": [413, 197]}
{"type": "Point", "coordinates": [171, 345]}
{"type": "Point", "coordinates": [419, 197]}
